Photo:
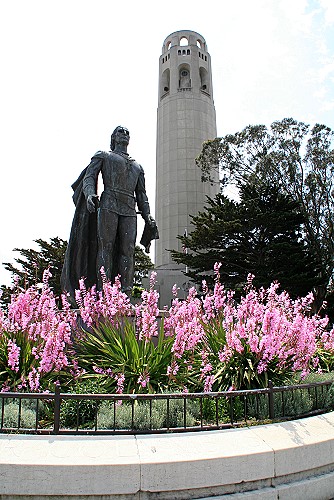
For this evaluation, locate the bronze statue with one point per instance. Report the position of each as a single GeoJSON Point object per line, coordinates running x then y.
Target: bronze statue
{"type": "Point", "coordinates": [104, 230]}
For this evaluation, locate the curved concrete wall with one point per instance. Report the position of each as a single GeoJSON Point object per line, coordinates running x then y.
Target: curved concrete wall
{"type": "Point", "coordinates": [291, 460]}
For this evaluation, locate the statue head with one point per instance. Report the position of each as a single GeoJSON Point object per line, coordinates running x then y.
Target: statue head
{"type": "Point", "coordinates": [118, 130]}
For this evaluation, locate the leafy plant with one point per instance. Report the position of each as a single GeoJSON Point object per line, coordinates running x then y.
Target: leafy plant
{"type": "Point", "coordinates": [123, 362]}
{"type": "Point", "coordinates": [13, 415]}
{"type": "Point", "coordinates": [299, 159]}
{"type": "Point", "coordinates": [80, 412]}
{"type": "Point", "coordinates": [35, 340]}
{"type": "Point", "coordinates": [139, 415]}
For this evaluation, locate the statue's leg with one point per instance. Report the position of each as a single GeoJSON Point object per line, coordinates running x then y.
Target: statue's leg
{"type": "Point", "coordinates": [127, 240]}
{"type": "Point", "coordinates": [107, 225]}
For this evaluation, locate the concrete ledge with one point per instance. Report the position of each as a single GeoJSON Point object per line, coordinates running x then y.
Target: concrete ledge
{"type": "Point", "coordinates": [286, 460]}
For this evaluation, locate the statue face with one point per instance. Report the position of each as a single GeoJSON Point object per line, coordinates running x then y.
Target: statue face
{"type": "Point", "coordinates": [122, 135]}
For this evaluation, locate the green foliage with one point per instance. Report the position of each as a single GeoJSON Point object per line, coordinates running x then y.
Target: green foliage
{"type": "Point", "coordinates": [141, 418]}
{"type": "Point", "coordinates": [27, 362]}
{"type": "Point", "coordinates": [80, 412]}
{"type": "Point", "coordinates": [137, 291]}
{"type": "Point", "coordinates": [300, 160]}
{"type": "Point", "coordinates": [12, 416]}
{"type": "Point", "coordinates": [138, 415]}
{"type": "Point", "coordinates": [50, 255]}
{"type": "Point", "coordinates": [120, 350]}
{"type": "Point", "coordinates": [33, 263]}
{"type": "Point", "coordinates": [17, 380]}
{"type": "Point", "coordinates": [143, 265]}
{"type": "Point", "coordinates": [259, 234]}
{"type": "Point", "coordinates": [220, 410]}
{"type": "Point", "coordinates": [240, 371]}
{"type": "Point", "coordinates": [30, 411]}
{"type": "Point", "coordinates": [326, 359]}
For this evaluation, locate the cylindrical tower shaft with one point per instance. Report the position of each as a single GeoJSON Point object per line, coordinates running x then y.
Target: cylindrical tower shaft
{"type": "Point", "coordinates": [186, 118]}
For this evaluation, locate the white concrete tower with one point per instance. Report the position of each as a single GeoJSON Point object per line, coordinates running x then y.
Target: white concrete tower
{"type": "Point", "coordinates": [186, 118]}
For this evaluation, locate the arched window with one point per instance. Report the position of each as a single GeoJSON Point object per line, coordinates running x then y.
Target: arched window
{"type": "Point", "coordinates": [168, 45]}
{"type": "Point", "coordinates": [184, 77]}
{"type": "Point", "coordinates": [165, 81]}
{"type": "Point", "coordinates": [199, 44]}
{"type": "Point", "coordinates": [204, 80]}
{"type": "Point", "coordinates": [183, 41]}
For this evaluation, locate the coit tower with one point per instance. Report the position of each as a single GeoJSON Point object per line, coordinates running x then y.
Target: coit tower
{"type": "Point", "coordinates": [186, 118]}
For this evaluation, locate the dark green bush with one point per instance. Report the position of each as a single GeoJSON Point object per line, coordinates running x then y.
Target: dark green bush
{"type": "Point", "coordinates": [80, 413]}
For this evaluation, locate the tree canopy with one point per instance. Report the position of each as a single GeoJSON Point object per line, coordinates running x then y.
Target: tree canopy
{"type": "Point", "coordinates": [297, 158]}
{"type": "Point", "coordinates": [259, 234]}
{"type": "Point", "coordinates": [29, 267]}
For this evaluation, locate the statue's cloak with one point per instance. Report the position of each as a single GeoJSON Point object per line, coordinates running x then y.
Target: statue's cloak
{"type": "Point", "coordinates": [80, 256]}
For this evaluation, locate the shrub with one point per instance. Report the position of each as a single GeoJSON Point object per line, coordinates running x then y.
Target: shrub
{"type": "Point", "coordinates": [35, 340]}
{"type": "Point", "coordinates": [13, 415]}
{"type": "Point", "coordinates": [82, 412]}
{"type": "Point", "coordinates": [139, 415]}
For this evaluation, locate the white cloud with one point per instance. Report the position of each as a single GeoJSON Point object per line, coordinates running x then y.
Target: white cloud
{"type": "Point", "coordinates": [328, 8]}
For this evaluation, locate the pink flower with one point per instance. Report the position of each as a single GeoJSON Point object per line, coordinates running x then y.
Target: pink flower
{"type": "Point", "coordinates": [33, 379]}
{"type": "Point", "coordinates": [13, 355]}
{"type": "Point", "coordinates": [120, 379]}
{"type": "Point", "coordinates": [209, 380]}
{"type": "Point", "coordinates": [147, 312]}
{"type": "Point", "coordinates": [144, 379]}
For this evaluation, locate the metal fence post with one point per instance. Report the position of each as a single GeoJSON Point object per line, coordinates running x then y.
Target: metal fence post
{"type": "Point", "coordinates": [56, 416]}
{"type": "Point", "coordinates": [271, 400]}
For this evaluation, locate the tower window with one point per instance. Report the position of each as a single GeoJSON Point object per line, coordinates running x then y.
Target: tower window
{"type": "Point", "coordinates": [205, 81]}
{"type": "Point", "coordinates": [165, 81]}
{"type": "Point", "coordinates": [199, 45]}
{"type": "Point", "coordinates": [184, 82]}
{"type": "Point", "coordinates": [179, 52]}
{"type": "Point", "coordinates": [188, 52]}
{"type": "Point", "coordinates": [184, 41]}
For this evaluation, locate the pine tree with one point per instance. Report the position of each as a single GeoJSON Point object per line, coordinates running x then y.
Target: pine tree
{"type": "Point", "coordinates": [261, 234]}
{"type": "Point", "coordinates": [33, 263]}
{"type": "Point", "coordinates": [29, 267]}
{"type": "Point", "coordinates": [300, 160]}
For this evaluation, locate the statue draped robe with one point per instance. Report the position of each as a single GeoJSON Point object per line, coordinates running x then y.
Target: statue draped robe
{"type": "Point", "coordinates": [80, 256]}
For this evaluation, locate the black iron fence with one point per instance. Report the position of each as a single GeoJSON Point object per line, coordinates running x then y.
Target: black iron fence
{"type": "Point", "coordinates": [65, 413]}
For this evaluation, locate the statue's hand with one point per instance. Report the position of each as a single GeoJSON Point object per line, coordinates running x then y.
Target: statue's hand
{"type": "Point", "coordinates": [150, 220]}
{"type": "Point", "coordinates": [92, 203]}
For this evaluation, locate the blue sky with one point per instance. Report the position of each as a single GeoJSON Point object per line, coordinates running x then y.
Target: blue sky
{"type": "Point", "coordinates": [72, 70]}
